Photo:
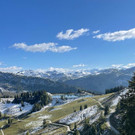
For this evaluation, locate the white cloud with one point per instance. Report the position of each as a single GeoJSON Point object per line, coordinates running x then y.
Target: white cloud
{"type": "Point", "coordinates": [118, 35]}
{"type": "Point", "coordinates": [79, 65]}
{"type": "Point", "coordinates": [96, 31]}
{"type": "Point", "coordinates": [12, 69]}
{"type": "Point", "coordinates": [72, 34]}
{"type": "Point", "coordinates": [43, 47]}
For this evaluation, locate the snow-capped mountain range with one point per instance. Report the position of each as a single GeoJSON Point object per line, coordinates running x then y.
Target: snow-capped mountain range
{"type": "Point", "coordinates": [55, 75]}
{"type": "Point", "coordinates": [59, 75]}
{"type": "Point", "coordinates": [65, 81]}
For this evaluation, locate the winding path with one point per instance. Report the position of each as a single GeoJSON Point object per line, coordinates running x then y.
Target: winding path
{"type": "Point", "coordinates": [108, 118]}
{"type": "Point", "coordinates": [109, 123]}
{"type": "Point", "coordinates": [98, 103]}
{"type": "Point", "coordinates": [58, 124]}
{"type": "Point", "coordinates": [68, 129]}
{"type": "Point", "coordinates": [2, 130]}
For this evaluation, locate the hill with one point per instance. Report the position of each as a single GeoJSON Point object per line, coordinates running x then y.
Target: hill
{"type": "Point", "coordinates": [104, 80]}
{"type": "Point", "coordinates": [13, 82]}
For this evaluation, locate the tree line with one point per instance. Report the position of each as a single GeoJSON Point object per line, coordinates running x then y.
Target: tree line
{"type": "Point", "coordinates": [115, 89]}
{"type": "Point", "coordinates": [38, 98]}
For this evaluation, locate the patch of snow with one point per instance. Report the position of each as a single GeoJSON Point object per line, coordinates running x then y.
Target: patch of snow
{"type": "Point", "coordinates": [80, 115]}
{"type": "Point", "coordinates": [118, 98]}
{"type": "Point", "coordinates": [55, 109]}
{"type": "Point", "coordinates": [49, 94]}
{"type": "Point", "coordinates": [14, 109]}
{"type": "Point", "coordinates": [36, 129]}
{"type": "Point", "coordinates": [3, 90]}
{"type": "Point", "coordinates": [80, 128]}
{"type": "Point", "coordinates": [101, 99]}
{"type": "Point", "coordinates": [37, 125]}
{"type": "Point", "coordinates": [95, 118]}
{"type": "Point", "coordinates": [57, 101]}
{"type": "Point", "coordinates": [29, 124]}
{"type": "Point", "coordinates": [34, 124]}
{"type": "Point", "coordinates": [44, 117]}
{"type": "Point", "coordinates": [4, 100]}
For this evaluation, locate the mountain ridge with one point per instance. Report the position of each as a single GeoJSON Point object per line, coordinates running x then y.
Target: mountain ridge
{"type": "Point", "coordinates": [14, 82]}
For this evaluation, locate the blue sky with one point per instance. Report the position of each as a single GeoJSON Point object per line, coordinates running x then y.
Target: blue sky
{"type": "Point", "coordinates": [59, 33]}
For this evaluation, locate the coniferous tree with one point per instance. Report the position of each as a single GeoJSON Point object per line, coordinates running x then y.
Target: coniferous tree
{"type": "Point", "coordinates": [22, 103]}
{"type": "Point", "coordinates": [44, 123]}
{"type": "Point", "coordinates": [75, 126]}
{"type": "Point", "coordinates": [81, 108]}
{"type": "Point", "coordinates": [85, 106]}
{"type": "Point", "coordinates": [9, 121]}
{"type": "Point", "coordinates": [127, 109]}
{"type": "Point", "coordinates": [106, 110]}
{"type": "Point", "coordinates": [0, 115]}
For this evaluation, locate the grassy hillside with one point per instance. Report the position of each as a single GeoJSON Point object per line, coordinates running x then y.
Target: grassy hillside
{"type": "Point", "coordinates": [53, 113]}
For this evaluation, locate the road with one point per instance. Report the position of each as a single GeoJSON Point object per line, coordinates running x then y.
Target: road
{"type": "Point", "coordinates": [68, 129]}
{"type": "Point", "coordinates": [109, 123]}
{"type": "Point", "coordinates": [57, 124]}
{"type": "Point", "coordinates": [2, 130]}
{"type": "Point", "coordinates": [98, 103]}
{"type": "Point", "coordinates": [108, 118]}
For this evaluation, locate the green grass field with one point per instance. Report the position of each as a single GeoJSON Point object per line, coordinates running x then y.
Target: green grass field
{"type": "Point", "coordinates": [55, 115]}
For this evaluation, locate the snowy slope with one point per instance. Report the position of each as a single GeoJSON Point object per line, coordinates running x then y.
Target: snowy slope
{"type": "Point", "coordinates": [80, 115]}
{"type": "Point", "coordinates": [14, 109]}
{"type": "Point", "coordinates": [117, 99]}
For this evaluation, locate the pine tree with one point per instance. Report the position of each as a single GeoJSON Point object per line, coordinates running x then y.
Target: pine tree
{"type": "Point", "coordinates": [127, 108]}
{"type": "Point", "coordinates": [20, 109]}
{"type": "Point", "coordinates": [9, 121]}
{"type": "Point", "coordinates": [81, 108]}
{"type": "Point", "coordinates": [22, 103]}
{"type": "Point", "coordinates": [0, 115]}
{"type": "Point", "coordinates": [85, 106]}
{"type": "Point", "coordinates": [44, 123]}
{"type": "Point", "coordinates": [75, 126]}
{"type": "Point", "coordinates": [106, 110]}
